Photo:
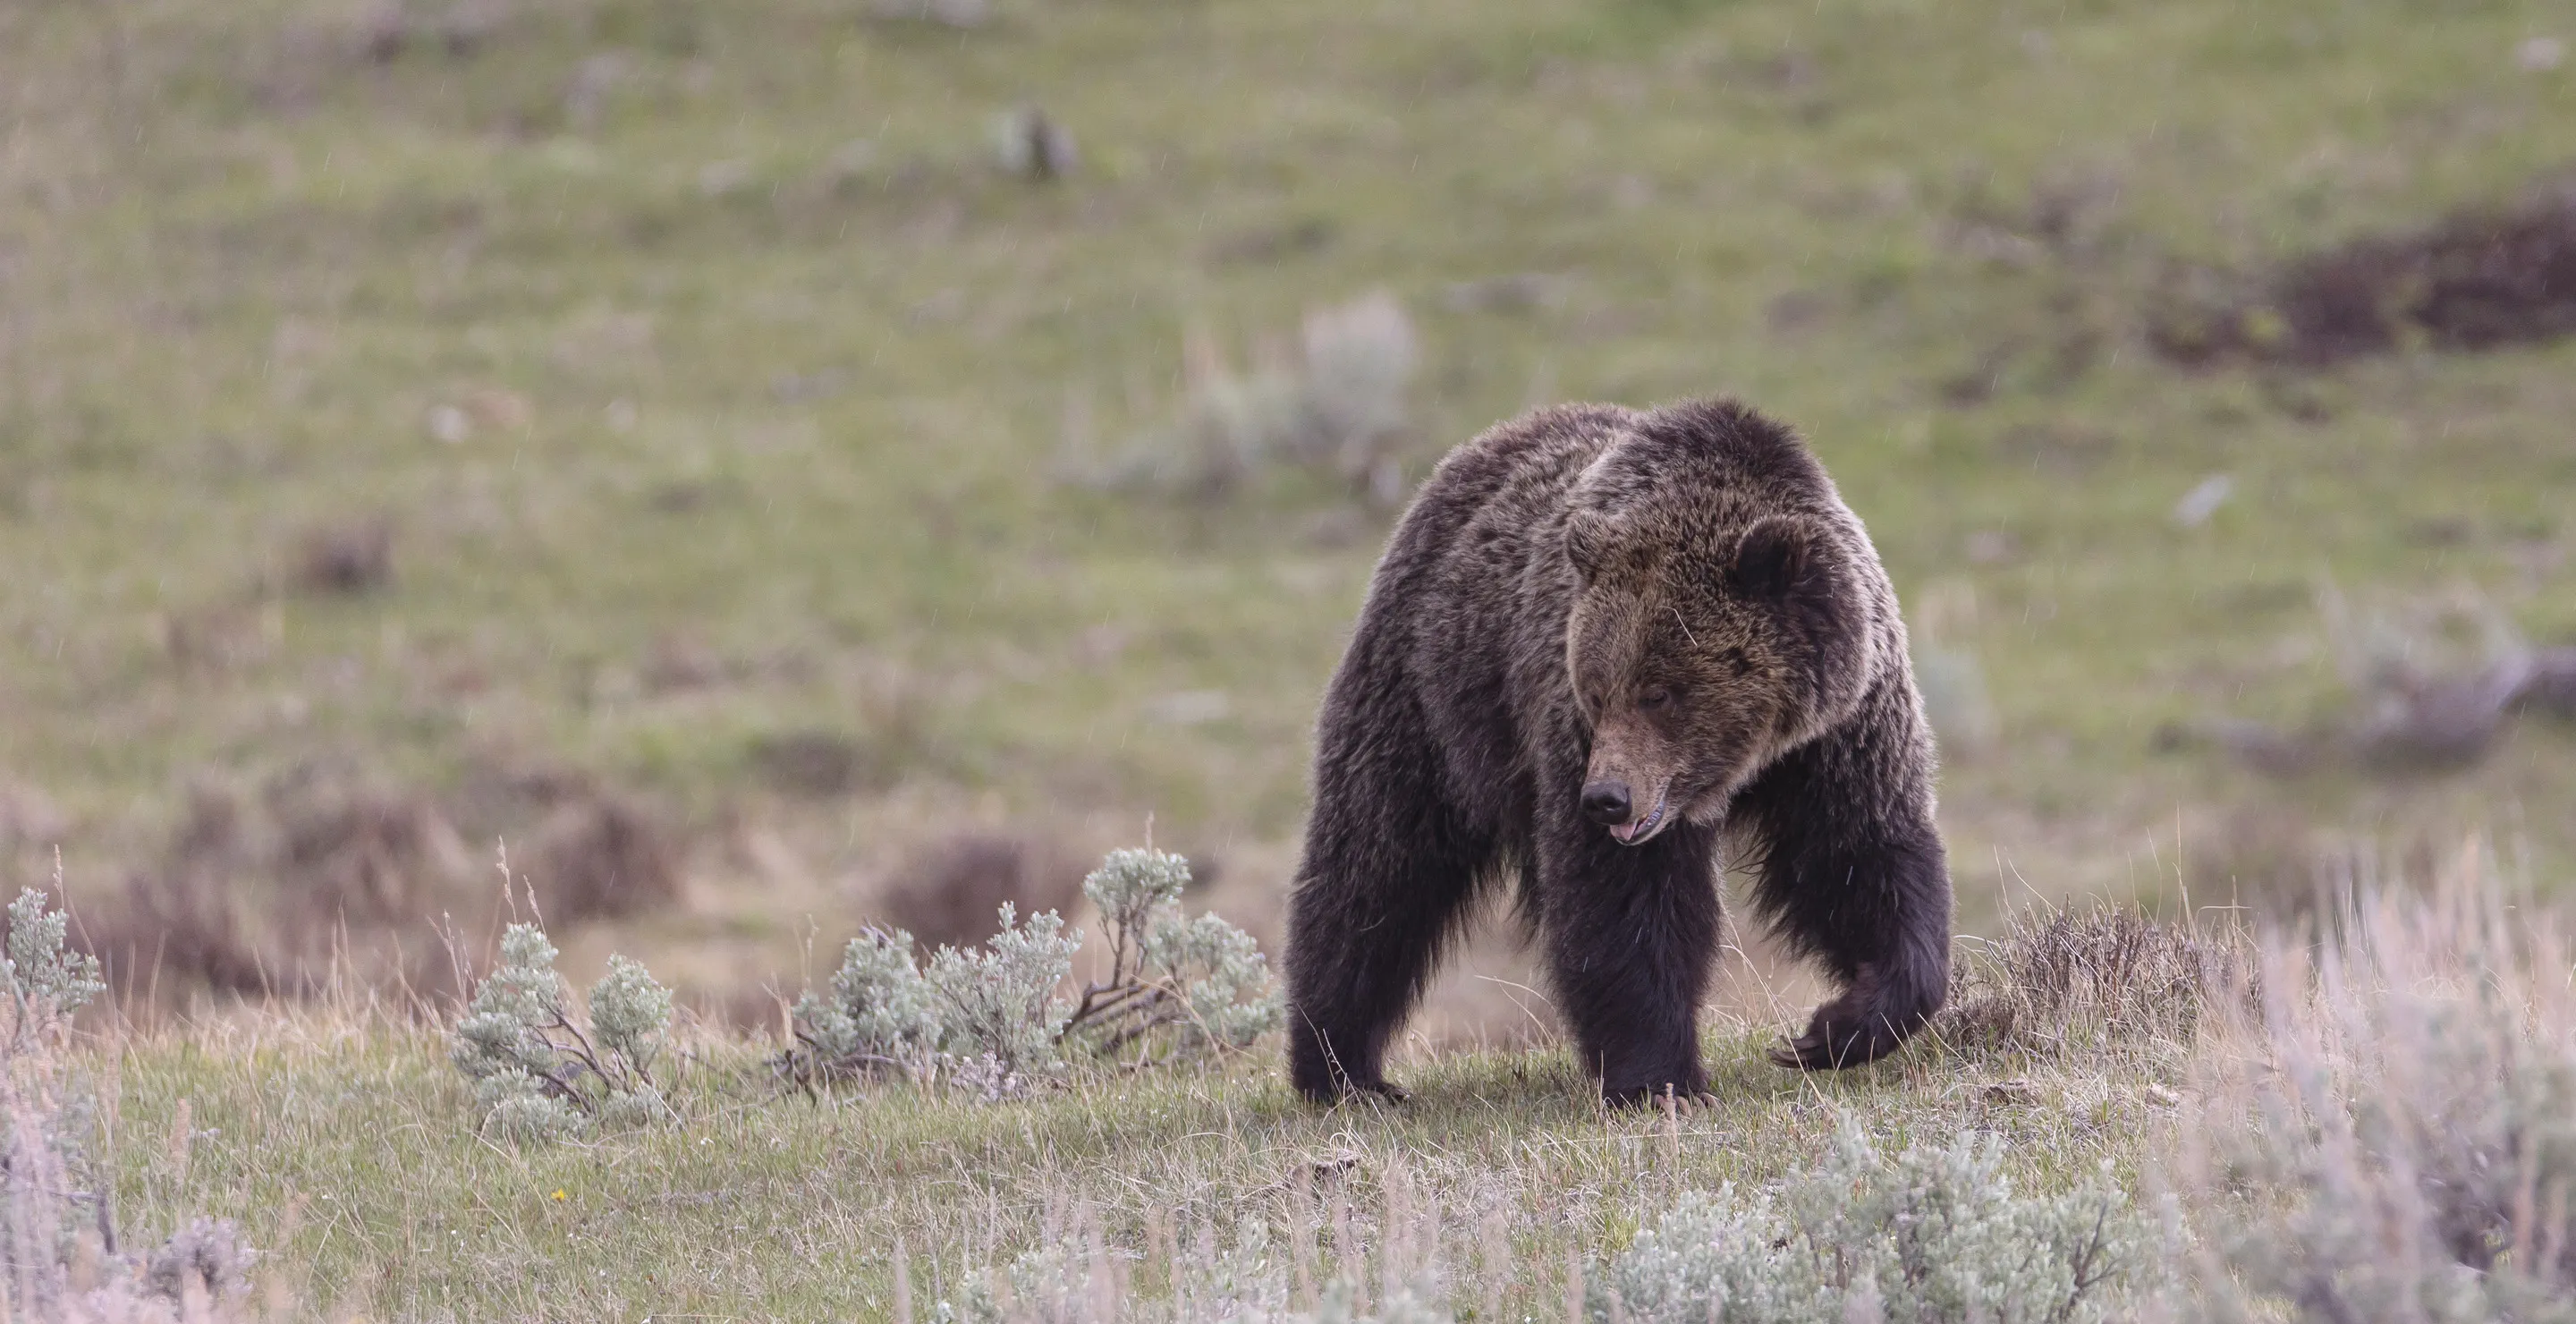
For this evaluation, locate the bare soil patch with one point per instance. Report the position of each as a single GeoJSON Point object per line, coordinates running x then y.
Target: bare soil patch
{"type": "Point", "coordinates": [2481, 278]}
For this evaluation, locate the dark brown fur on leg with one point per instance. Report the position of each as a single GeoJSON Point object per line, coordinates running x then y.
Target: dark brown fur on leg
{"type": "Point", "coordinates": [1385, 879]}
{"type": "Point", "coordinates": [1630, 935]}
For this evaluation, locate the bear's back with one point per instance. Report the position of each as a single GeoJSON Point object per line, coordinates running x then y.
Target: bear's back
{"type": "Point", "coordinates": [1470, 600]}
{"type": "Point", "coordinates": [1518, 470]}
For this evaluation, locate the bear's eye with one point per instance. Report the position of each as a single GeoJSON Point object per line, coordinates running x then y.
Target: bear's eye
{"type": "Point", "coordinates": [1657, 697]}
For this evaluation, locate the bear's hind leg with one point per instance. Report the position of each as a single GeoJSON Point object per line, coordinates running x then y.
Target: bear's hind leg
{"type": "Point", "coordinates": [1631, 931]}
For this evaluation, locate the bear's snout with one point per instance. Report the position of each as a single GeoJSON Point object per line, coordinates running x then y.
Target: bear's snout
{"type": "Point", "coordinates": [1607, 802]}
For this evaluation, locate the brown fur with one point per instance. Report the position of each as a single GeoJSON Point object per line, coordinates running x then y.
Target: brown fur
{"type": "Point", "coordinates": [1674, 605]}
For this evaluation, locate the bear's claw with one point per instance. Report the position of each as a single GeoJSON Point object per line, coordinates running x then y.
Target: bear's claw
{"type": "Point", "coordinates": [1833, 1045]}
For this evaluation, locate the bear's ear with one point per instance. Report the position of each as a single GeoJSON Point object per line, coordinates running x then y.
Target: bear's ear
{"type": "Point", "coordinates": [1587, 535]}
{"type": "Point", "coordinates": [1770, 558]}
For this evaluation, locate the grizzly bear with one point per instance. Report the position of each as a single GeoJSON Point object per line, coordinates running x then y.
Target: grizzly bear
{"type": "Point", "coordinates": [1604, 647]}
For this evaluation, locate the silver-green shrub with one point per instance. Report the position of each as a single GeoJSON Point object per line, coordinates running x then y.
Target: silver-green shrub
{"type": "Point", "coordinates": [2408, 1150]}
{"type": "Point", "coordinates": [630, 1013]}
{"type": "Point", "coordinates": [1226, 996]}
{"type": "Point", "coordinates": [539, 1072]}
{"type": "Point", "coordinates": [997, 1006]}
{"type": "Point", "coordinates": [1935, 1234]}
{"type": "Point", "coordinates": [48, 1115]}
{"type": "Point", "coordinates": [43, 980]}
{"type": "Point", "coordinates": [881, 1014]}
{"type": "Point", "coordinates": [1194, 984]}
{"type": "Point", "coordinates": [988, 1019]}
{"type": "Point", "coordinates": [1338, 410]}
{"type": "Point", "coordinates": [1131, 887]}
{"type": "Point", "coordinates": [1248, 1279]}
{"type": "Point", "coordinates": [1070, 1282]}
{"type": "Point", "coordinates": [54, 1170]}
{"type": "Point", "coordinates": [985, 1019]}
{"type": "Point", "coordinates": [1057, 1284]}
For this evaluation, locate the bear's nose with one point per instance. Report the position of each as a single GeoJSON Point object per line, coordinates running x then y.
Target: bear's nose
{"type": "Point", "coordinates": [1606, 802]}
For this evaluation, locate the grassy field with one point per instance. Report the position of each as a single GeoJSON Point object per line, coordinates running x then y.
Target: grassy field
{"type": "Point", "coordinates": [348, 1149]}
{"type": "Point", "coordinates": [717, 396]}
{"type": "Point", "coordinates": [711, 384]}
{"type": "Point", "coordinates": [2384, 1135]}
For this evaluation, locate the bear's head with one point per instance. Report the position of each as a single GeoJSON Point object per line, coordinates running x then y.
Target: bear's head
{"type": "Point", "coordinates": [1706, 638]}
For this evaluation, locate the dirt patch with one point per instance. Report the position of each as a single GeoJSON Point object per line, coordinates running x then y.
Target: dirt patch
{"type": "Point", "coordinates": [817, 763]}
{"type": "Point", "coordinates": [889, 739]}
{"type": "Point", "coordinates": [603, 856]}
{"type": "Point", "coordinates": [318, 873]}
{"type": "Point", "coordinates": [355, 556]}
{"type": "Point", "coordinates": [586, 849]}
{"type": "Point", "coordinates": [2481, 278]}
{"type": "Point", "coordinates": [948, 892]}
{"type": "Point", "coordinates": [326, 877]}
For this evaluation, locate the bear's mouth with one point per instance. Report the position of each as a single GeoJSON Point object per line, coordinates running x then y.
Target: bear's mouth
{"type": "Point", "coordinates": [1635, 832]}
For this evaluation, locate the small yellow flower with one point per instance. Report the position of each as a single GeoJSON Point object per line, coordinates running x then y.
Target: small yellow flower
{"type": "Point", "coordinates": [559, 1193]}
{"type": "Point", "coordinates": [2265, 328]}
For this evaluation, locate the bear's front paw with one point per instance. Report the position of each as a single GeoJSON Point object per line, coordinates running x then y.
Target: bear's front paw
{"type": "Point", "coordinates": [1869, 1021]}
{"type": "Point", "coordinates": [1838, 1039]}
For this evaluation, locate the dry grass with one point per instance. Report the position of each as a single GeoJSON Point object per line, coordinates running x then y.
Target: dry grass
{"type": "Point", "coordinates": [2058, 981]}
{"type": "Point", "coordinates": [326, 871]}
{"type": "Point", "coordinates": [2395, 1137]}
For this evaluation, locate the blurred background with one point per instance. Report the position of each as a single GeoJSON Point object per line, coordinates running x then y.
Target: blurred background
{"type": "Point", "coordinates": [769, 466]}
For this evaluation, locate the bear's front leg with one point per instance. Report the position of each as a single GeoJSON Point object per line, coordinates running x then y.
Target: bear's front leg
{"type": "Point", "coordinates": [1853, 873]}
{"type": "Point", "coordinates": [1631, 932]}
{"type": "Point", "coordinates": [1878, 913]}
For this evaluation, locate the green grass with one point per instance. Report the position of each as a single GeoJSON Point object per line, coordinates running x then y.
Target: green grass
{"type": "Point", "coordinates": [2407, 1061]}
{"type": "Point", "coordinates": [348, 1151]}
{"type": "Point", "coordinates": [797, 403]}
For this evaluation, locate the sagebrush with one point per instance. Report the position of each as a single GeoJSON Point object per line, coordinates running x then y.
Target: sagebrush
{"type": "Point", "coordinates": [539, 1070]}
{"type": "Point", "coordinates": [990, 1019]}
{"type": "Point", "coordinates": [1936, 1233]}
{"type": "Point", "coordinates": [1337, 408]}
{"type": "Point", "coordinates": [2404, 1147]}
{"type": "Point", "coordinates": [61, 1255]}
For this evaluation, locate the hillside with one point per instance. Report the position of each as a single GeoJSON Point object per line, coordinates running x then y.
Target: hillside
{"type": "Point", "coordinates": [482, 414]}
